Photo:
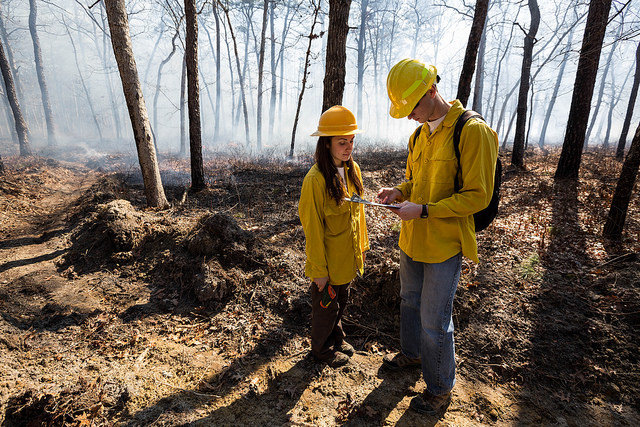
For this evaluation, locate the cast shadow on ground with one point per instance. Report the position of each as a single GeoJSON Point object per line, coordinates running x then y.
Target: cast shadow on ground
{"type": "Point", "coordinates": [378, 404]}
{"type": "Point", "coordinates": [561, 376]}
{"type": "Point", "coordinates": [22, 262]}
{"type": "Point", "coordinates": [221, 383]}
{"type": "Point", "coordinates": [271, 406]}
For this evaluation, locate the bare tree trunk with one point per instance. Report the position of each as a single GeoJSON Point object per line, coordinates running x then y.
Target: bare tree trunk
{"type": "Point", "coordinates": [614, 102]}
{"type": "Point", "coordinates": [362, 46]}
{"type": "Point", "coordinates": [123, 51]}
{"type": "Point", "coordinates": [272, 101]}
{"type": "Point", "coordinates": [46, 104]}
{"type": "Point", "coordinates": [107, 76]}
{"type": "Point", "coordinates": [571, 155]}
{"type": "Point", "coordinates": [594, 116]}
{"type": "Point", "coordinates": [632, 100]}
{"type": "Point", "coordinates": [183, 116]}
{"type": "Point", "coordinates": [235, 49]}
{"type": "Point", "coordinates": [9, 53]}
{"type": "Point", "coordinates": [21, 124]}
{"type": "Point", "coordinates": [469, 64]}
{"type": "Point", "coordinates": [195, 128]}
{"type": "Point", "coordinates": [335, 70]}
{"type": "Point", "coordinates": [7, 110]}
{"type": "Point", "coordinates": [556, 89]}
{"type": "Point", "coordinates": [517, 155]}
{"type": "Point", "coordinates": [260, 71]}
{"type": "Point", "coordinates": [159, 78]}
{"type": "Point", "coordinates": [311, 36]}
{"type": "Point", "coordinates": [620, 202]}
{"type": "Point", "coordinates": [479, 83]}
{"type": "Point", "coordinates": [84, 85]}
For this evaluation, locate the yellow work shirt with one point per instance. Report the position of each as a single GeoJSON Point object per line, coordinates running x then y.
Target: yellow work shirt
{"type": "Point", "coordinates": [431, 169]}
{"type": "Point", "coordinates": [336, 235]}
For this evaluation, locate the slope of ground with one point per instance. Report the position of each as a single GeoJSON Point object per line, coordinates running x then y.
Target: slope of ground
{"type": "Point", "coordinates": [115, 314]}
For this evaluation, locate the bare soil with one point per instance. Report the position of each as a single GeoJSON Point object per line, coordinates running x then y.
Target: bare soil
{"type": "Point", "coordinates": [116, 314]}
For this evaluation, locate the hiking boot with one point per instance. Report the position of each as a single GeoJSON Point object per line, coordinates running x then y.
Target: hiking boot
{"type": "Point", "coordinates": [346, 348]}
{"type": "Point", "coordinates": [399, 361]}
{"type": "Point", "coordinates": [429, 404]}
{"type": "Point", "coordinates": [338, 359]}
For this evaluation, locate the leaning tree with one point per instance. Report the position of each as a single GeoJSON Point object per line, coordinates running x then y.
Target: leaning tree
{"type": "Point", "coordinates": [123, 51]}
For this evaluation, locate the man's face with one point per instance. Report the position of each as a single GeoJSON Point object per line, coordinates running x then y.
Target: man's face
{"type": "Point", "coordinates": [424, 109]}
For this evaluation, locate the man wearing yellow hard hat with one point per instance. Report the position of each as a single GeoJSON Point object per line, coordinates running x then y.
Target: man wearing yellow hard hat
{"type": "Point", "coordinates": [437, 223]}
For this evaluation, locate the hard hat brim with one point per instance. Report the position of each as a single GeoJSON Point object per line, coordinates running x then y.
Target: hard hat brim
{"type": "Point", "coordinates": [336, 133]}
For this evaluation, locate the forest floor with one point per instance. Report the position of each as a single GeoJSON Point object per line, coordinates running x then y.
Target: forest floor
{"type": "Point", "coordinates": [116, 314]}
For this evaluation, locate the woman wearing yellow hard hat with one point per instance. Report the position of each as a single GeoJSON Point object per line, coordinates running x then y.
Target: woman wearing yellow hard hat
{"type": "Point", "coordinates": [335, 232]}
{"type": "Point", "coordinates": [437, 223]}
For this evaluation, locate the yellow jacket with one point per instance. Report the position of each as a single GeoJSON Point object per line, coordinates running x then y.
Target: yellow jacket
{"type": "Point", "coordinates": [336, 236]}
{"type": "Point", "coordinates": [431, 169]}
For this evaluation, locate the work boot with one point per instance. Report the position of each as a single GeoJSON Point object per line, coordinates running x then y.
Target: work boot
{"type": "Point", "coordinates": [430, 404]}
{"type": "Point", "coordinates": [346, 348]}
{"type": "Point", "coordinates": [338, 359]}
{"type": "Point", "coordinates": [399, 361]}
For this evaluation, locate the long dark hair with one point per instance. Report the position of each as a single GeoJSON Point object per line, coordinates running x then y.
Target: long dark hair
{"type": "Point", "coordinates": [335, 186]}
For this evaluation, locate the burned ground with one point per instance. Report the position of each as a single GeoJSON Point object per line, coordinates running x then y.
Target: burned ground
{"type": "Point", "coordinates": [113, 313]}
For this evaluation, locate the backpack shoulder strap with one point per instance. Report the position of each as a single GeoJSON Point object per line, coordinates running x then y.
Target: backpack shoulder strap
{"type": "Point", "coordinates": [457, 131]}
{"type": "Point", "coordinates": [412, 145]}
{"type": "Point", "coordinates": [416, 134]}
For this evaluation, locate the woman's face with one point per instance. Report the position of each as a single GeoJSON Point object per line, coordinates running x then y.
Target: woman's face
{"type": "Point", "coordinates": [341, 148]}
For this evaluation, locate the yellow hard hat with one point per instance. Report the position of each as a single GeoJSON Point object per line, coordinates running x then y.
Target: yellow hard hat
{"type": "Point", "coordinates": [407, 83]}
{"type": "Point", "coordinates": [337, 120]}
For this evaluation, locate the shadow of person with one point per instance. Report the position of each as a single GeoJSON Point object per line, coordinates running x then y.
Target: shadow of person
{"type": "Point", "coordinates": [378, 404]}
{"type": "Point", "coordinates": [269, 403]}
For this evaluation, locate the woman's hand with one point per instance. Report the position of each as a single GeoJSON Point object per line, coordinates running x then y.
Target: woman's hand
{"type": "Point", "coordinates": [321, 282]}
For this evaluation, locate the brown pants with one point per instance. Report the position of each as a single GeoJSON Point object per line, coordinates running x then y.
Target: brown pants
{"type": "Point", "coordinates": [326, 323]}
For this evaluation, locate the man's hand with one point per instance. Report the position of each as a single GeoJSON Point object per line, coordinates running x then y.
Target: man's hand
{"type": "Point", "coordinates": [388, 195]}
{"type": "Point", "coordinates": [407, 210]}
{"type": "Point", "coordinates": [321, 282]}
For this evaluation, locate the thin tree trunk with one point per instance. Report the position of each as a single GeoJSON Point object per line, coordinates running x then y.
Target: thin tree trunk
{"type": "Point", "coordinates": [235, 49]}
{"type": "Point", "coordinates": [37, 53]}
{"type": "Point", "coordinates": [469, 64]}
{"type": "Point", "coordinates": [21, 124]}
{"type": "Point", "coordinates": [218, 116]}
{"type": "Point", "coordinates": [571, 155]}
{"type": "Point", "coordinates": [517, 156]}
{"type": "Point", "coordinates": [362, 46]}
{"type": "Point", "coordinates": [614, 102]}
{"type": "Point", "coordinates": [479, 83]}
{"type": "Point", "coordinates": [594, 116]}
{"type": "Point", "coordinates": [624, 189]}
{"type": "Point", "coordinates": [632, 101]}
{"type": "Point", "coordinates": [84, 85]}
{"type": "Point", "coordinates": [311, 36]}
{"type": "Point", "coordinates": [158, 79]}
{"type": "Point", "coordinates": [335, 70]}
{"type": "Point", "coordinates": [123, 51]}
{"type": "Point", "coordinates": [183, 115]}
{"type": "Point", "coordinates": [272, 101]}
{"type": "Point", "coordinates": [556, 89]}
{"type": "Point", "coordinates": [7, 110]}
{"type": "Point", "coordinates": [107, 76]}
{"type": "Point", "coordinates": [195, 128]}
{"type": "Point", "coordinates": [260, 71]}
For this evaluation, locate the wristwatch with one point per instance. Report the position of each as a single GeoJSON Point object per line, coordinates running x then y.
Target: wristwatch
{"type": "Point", "coordinates": [425, 212]}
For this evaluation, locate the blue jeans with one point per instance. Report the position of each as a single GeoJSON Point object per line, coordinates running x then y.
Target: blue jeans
{"type": "Point", "coordinates": [426, 323]}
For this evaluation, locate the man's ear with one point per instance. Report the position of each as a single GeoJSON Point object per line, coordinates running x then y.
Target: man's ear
{"type": "Point", "coordinates": [432, 91]}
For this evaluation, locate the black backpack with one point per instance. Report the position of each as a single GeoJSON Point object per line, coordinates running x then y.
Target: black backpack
{"type": "Point", "coordinates": [482, 218]}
